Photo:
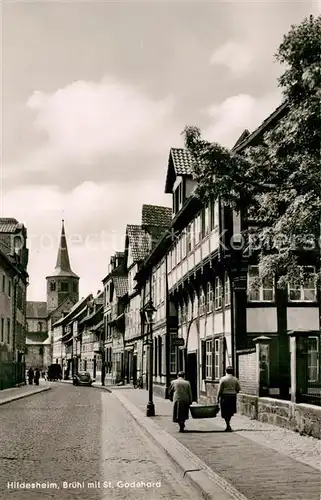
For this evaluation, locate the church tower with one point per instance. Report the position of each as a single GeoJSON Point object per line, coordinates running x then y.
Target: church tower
{"type": "Point", "coordinates": [63, 283]}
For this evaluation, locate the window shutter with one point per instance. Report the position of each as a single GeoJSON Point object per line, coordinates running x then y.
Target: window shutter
{"type": "Point", "coordinates": [213, 359]}
{"type": "Point", "coordinates": [203, 354]}
{"type": "Point", "coordinates": [222, 357]}
{"type": "Point", "coordinates": [164, 355]}
{"type": "Point", "coordinates": [160, 355]}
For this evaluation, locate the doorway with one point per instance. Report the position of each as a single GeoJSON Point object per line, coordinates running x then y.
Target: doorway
{"type": "Point", "coordinates": [191, 373]}
{"type": "Point", "coordinates": [134, 369]}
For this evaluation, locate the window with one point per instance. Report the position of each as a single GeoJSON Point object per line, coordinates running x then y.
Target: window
{"type": "Point", "coordinates": [209, 297]}
{"type": "Point", "coordinates": [206, 226]}
{"type": "Point", "coordinates": [227, 290]}
{"type": "Point", "coordinates": [64, 286]}
{"type": "Point", "coordinates": [52, 286]}
{"type": "Point", "coordinates": [39, 326]}
{"type": "Point", "coordinates": [9, 288]}
{"type": "Point", "coordinates": [41, 351]}
{"type": "Point", "coordinates": [263, 290]}
{"type": "Point", "coordinates": [8, 330]}
{"type": "Point", "coordinates": [217, 359]}
{"type": "Point", "coordinates": [198, 229]}
{"type": "Point", "coordinates": [313, 359]}
{"type": "Point", "coordinates": [2, 329]}
{"type": "Point", "coordinates": [3, 283]}
{"type": "Point", "coordinates": [218, 293]}
{"type": "Point", "coordinates": [202, 301]}
{"type": "Point", "coordinates": [74, 287]}
{"type": "Point", "coordinates": [209, 357]}
{"type": "Point", "coordinates": [173, 359]}
{"type": "Point", "coordinates": [214, 214]}
{"type": "Point", "coordinates": [306, 291]}
{"type": "Point", "coordinates": [188, 239]}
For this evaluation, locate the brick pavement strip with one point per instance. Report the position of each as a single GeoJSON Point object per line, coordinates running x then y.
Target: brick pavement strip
{"type": "Point", "coordinates": [247, 460]}
{"type": "Point", "coordinates": [15, 393]}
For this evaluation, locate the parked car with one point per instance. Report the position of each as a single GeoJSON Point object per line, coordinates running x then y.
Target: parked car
{"type": "Point", "coordinates": [54, 372]}
{"type": "Point", "coordinates": [82, 378]}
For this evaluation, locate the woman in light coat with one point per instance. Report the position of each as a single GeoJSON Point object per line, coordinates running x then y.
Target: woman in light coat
{"type": "Point", "coordinates": [180, 393]}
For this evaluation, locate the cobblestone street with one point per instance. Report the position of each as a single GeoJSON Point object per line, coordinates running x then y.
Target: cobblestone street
{"type": "Point", "coordinates": [261, 461]}
{"type": "Point", "coordinates": [72, 436]}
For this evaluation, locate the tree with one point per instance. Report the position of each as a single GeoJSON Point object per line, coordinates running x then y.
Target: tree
{"type": "Point", "coordinates": [279, 179]}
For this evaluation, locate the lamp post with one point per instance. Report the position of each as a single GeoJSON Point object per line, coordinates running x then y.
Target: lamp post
{"type": "Point", "coordinates": [149, 311]}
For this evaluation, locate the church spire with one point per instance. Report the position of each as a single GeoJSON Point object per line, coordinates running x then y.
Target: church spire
{"type": "Point", "coordinates": [63, 264]}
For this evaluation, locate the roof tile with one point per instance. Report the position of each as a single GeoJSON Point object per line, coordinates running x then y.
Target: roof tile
{"type": "Point", "coordinates": [121, 285]}
{"type": "Point", "coordinates": [182, 161]}
{"type": "Point", "coordinates": [8, 224]}
{"type": "Point", "coordinates": [139, 241]}
{"type": "Point", "coordinates": [155, 215]}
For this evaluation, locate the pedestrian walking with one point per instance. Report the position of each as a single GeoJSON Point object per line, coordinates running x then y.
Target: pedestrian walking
{"type": "Point", "coordinates": [37, 376]}
{"type": "Point", "coordinates": [228, 389]}
{"type": "Point", "coordinates": [30, 375]}
{"type": "Point", "coordinates": [180, 393]}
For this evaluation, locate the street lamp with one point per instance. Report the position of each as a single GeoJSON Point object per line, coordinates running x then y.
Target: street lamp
{"type": "Point", "coordinates": [149, 311]}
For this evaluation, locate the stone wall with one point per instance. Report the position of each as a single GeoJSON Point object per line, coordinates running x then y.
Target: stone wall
{"type": "Point", "coordinates": [302, 418]}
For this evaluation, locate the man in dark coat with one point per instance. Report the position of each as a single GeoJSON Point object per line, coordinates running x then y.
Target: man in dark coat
{"type": "Point", "coordinates": [180, 393]}
{"type": "Point", "coordinates": [37, 376]}
{"type": "Point", "coordinates": [30, 375]}
{"type": "Point", "coordinates": [227, 393]}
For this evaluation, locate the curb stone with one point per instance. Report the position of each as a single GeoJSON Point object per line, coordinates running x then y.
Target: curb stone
{"type": "Point", "coordinates": [25, 395]}
{"type": "Point", "coordinates": [209, 484]}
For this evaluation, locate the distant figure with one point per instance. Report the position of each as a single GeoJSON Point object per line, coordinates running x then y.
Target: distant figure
{"type": "Point", "coordinates": [180, 393]}
{"type": "Point", "coordinates": [37, 376]}
{"type": "Point", "coordinates": [30, 375]}
{"type": "Point", "coordinates": [227, 393]}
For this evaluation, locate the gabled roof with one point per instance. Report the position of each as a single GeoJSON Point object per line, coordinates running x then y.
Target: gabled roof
{"type": "Point", "coordinates": [36, 309]}
{"type": "Point", "coordinates": [242, 137]}
{"type": "Point", "coordinates": [8, 224]}
{"type": "Point", "coordinates": [139, 241]}
{"type": "Point", "coordinates": [75, 309]}
{"type": "Point", "coordinates": [121, 285]}
{"type": "Point", "coordinates": [180, 162]}
{"type": "Point", "coordinates": [155, 215]}
{"type": "Point", "coordinates": [269, 122]}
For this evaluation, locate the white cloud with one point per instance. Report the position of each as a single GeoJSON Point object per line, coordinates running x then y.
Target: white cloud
{"type": "Point", "coordinates": [235, 56]}
{"type": "Point", "coordinates": [86, 120]}
{"type": "Point", "coordinates": [236, 113]}
{"type": "Point", "coordinates": [95, 218]}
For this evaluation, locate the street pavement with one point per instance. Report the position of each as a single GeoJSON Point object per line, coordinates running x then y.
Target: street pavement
{"type": "Point", "coordinates": [81, 443]}
{"type": "Point", "coordinates": [23, 391]}
{"type": "Point", "coordinates": [261, 461]}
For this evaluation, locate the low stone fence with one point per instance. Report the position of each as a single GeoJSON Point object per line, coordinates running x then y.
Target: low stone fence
{"type": "Point", "coordinates": [302, 418]}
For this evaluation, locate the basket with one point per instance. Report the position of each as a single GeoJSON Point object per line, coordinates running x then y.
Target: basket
{"type": "Point", "coordinates": [204, 411]}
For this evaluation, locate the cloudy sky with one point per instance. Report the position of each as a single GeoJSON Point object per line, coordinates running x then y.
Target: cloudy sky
{"type": "Point", "coordinates": [95, 93]}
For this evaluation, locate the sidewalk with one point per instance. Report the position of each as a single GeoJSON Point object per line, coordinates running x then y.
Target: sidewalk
{"type": "Point", "coordinates": [261, 461]}
{"type": "Point", "coordinates": [14, 393]}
